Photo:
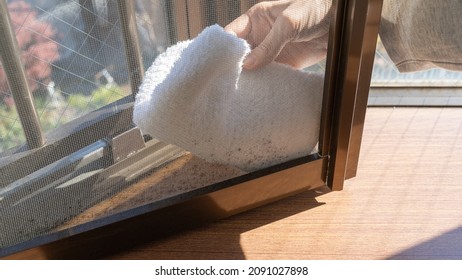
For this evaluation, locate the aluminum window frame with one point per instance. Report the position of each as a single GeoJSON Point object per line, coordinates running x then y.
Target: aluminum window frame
{"type": "Point", "coordinates": [349, 68]}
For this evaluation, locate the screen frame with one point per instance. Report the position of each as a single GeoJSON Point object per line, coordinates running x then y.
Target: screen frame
{"type": "Point", "coordinates": [353, 33]}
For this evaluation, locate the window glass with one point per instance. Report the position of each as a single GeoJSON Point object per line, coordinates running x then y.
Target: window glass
{"type": "Point", "coordinates": [385, 74]}
{"type": "Point", "coordinates": [74, 58]}
{"type": "Point", "coordinates": [202, 118]}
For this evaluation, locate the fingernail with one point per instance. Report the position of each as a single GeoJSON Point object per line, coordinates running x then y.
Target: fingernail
{"type": "Point", "coordinates": [249, 61]}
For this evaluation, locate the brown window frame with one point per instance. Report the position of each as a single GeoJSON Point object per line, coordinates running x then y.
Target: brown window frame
{"type": "Point", "coordinates": [353, 34]}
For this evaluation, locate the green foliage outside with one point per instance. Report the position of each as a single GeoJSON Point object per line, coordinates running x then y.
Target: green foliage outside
{"type": "Point", "coordinates": [53, 112]}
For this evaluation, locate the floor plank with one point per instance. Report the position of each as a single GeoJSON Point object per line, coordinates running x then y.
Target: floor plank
{"type": "Point", "coordinates": [405, 203]}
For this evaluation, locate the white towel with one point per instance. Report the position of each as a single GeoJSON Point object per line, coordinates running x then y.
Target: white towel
{"type": "Point", "coordinates": [197, 96]}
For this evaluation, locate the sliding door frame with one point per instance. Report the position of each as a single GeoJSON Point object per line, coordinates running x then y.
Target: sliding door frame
{"type": "Point", "coordinates": [353, 34]}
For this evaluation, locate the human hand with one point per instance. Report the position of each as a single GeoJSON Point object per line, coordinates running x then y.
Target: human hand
{"type": "Point", "coordinates": [293, 32]}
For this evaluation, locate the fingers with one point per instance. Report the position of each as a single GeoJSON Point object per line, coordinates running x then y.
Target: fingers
{"type": "Point", "coordinates": [241, 26]}
{"type": "Point", "coordinates": [268, 49]}
{"type": "Point", "coordinates": [302, 54]}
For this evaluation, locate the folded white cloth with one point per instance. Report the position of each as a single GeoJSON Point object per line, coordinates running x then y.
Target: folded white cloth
{"type": "Point", "coordinates": [197, 96]}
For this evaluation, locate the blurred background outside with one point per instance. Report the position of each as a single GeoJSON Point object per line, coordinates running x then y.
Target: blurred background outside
{"type": "Point", "coordinates": [74, 58]}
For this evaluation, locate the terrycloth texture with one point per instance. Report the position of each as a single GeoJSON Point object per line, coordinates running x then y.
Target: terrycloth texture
{"type": "Point", "coordinates": [197, 96]}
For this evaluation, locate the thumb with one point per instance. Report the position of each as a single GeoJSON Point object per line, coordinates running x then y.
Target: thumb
{"type": "Point", "coordinates": [268, 49]}
{"type": "Point", "coordinates": [240, 26]}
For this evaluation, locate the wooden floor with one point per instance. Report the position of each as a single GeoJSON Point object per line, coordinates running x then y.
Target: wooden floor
{"type": "Point", "coordinates": [405, 203]}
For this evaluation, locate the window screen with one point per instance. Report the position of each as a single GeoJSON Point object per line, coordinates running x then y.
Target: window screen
{"type": "Point", "coordinates": [76, 66]}
{"type": "Point", "coordinates": [74, 58]}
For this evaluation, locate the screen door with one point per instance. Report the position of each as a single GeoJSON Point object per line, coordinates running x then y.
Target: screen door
{"type": "Point", "coordinates": [122, 115]}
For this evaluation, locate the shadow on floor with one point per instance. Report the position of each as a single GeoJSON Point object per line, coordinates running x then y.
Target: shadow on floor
{"type": "Point", "coordinates": [209, 241]}
{"type": "Point", "coordinates": [447, 246]}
